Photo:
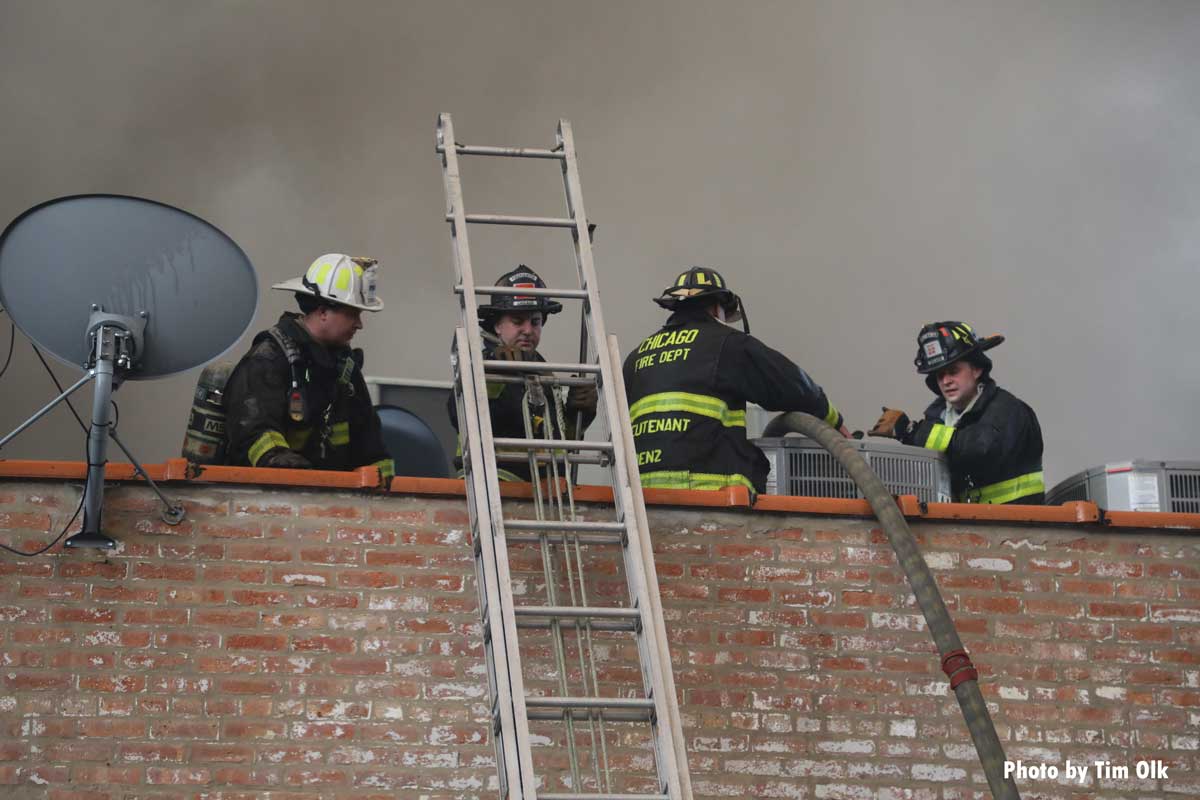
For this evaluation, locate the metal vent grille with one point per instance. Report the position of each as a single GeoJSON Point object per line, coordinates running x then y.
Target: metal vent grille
{"type": "Point", "coordinates": [1185, 492]}
{"type": "Point", "coordinates": [802, 468]}
{"type": "Point", "coordinates": [1067, 494]}
{"type": "Point", "coordinates": [816, 474]}
{"type": "Point", "coordinates": [905, 475]}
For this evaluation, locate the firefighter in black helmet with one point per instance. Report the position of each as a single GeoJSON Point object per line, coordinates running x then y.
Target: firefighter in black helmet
{"type": "Point", "coordinates": [688, 384]}
{"type": "Point", "coordinates": [511, 326]}
{"type": "Point", "coordinates": [992, 439]}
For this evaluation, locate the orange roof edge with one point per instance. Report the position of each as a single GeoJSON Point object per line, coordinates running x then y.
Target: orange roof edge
{"type": "Point", "coordinates": [179, 470]}
{"type": "Point", "coordinates": [1152, 519]}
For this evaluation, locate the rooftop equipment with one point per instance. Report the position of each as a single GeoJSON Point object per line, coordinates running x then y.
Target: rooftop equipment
{"type": "Point", "coordinates": [801, 467]}
{"type": "Point", "coordinates": [123, 289]}
{"type": "Point", "coordinates": [1137, 485]}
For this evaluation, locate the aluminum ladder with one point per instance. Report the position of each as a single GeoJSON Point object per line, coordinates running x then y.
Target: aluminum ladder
{"type": "Point", "coordinates": [558, 535]}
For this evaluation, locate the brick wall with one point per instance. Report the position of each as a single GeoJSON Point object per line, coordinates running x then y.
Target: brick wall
{"type": "Point", "coordinates": [291, 644]}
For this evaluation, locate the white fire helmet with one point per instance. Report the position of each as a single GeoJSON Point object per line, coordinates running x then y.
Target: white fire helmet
{"type": "Point", "coordinates": [340, 279]}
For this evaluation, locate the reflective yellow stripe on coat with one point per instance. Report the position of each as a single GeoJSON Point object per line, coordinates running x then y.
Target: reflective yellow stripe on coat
{"type": "Point", "coordinates": [939, 438]}
{"type": "Point", "coordinates": [265, 444]}
{"type": "Point", "coordinates": [298, 437]}
{"type": "Point", "coordinates": [1009, 490]}
{"type": "Point", "coordinates": [339, 434]}
{"type": "Point", "coordinates": [699, 404]}
{"type": "Point", "coordinates": [831, 416]}
{"type": "Point", "coordinates": [683, 479]}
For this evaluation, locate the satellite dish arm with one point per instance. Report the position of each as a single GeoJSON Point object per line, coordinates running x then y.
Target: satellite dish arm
{"type": "Point", "coordinates": [47, 408]}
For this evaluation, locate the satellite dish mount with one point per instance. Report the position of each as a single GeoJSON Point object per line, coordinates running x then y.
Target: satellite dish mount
{"type": "Point", "coordinates": [137, 290]}
{"type": "Point", "coordinates": [114, 343]}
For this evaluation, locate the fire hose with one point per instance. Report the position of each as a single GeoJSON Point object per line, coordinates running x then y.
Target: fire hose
{"type": "Point", "coordinates": [955, 661]}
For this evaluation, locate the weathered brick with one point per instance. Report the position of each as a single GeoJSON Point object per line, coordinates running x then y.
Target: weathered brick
{"type": "Point", "coordinates": [248, 671]}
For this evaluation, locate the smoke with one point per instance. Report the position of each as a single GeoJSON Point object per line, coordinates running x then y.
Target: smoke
{"type": "Point", "coordinates": [854, 169]}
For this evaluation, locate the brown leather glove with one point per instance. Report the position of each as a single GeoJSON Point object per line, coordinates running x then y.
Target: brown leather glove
{"type": "Point", "coordinates": [582, 398]}
{"type": "Point", "coordinates": [506, 352]}
{"type": "Point", "coordinates": [893, 424]}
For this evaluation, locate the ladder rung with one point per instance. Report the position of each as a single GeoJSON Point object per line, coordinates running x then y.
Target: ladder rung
{"type": "Point", "coordinates": [591, 612]}
{"type": "Point", "coordinates": [582, 538]}
{"type": "Point", "coordinates": [509, 152]}
{"type": "Point", "coordinates": [600, 618]}
{"type": "Point", "coordinates": [492, 365]}
{"type": "Point", "coordinates": [584, 714]}
{"type": "Point", "coordinates": [547, 380]}
{"type": "Point", "coordinates": [562, 525]}
{"type": "Point", "coordinates": [578, 294]}
{"type": "Point", "coordinates": [545, 459]}
{"type": "Point", "coordinates": [513, 219]}
{"type": "Point", "coordinates": [598, 625]}
{"type": "Point", "coordinates": [626, 709]}
{"type": "Point", "coordinates": [561, 796]}
{"type": "Point", "coordinates": [615, 703]}
{"type": "Point", "coordinates": [552, 444]}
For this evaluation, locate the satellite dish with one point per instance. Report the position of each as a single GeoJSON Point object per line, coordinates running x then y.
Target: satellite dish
{"type": "Point", "coordinates": [132, 257]}
{"type": "Point", "coordinates": [125, 288]}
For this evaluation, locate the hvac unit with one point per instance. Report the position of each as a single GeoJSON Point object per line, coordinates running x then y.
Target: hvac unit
{"type": "Point", "coordinates": [800, 467]}
{"type": "Point", "coordinates": [1135, 486]}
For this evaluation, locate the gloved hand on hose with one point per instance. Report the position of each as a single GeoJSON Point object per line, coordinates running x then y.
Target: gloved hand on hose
{"type": "Point", "coordinates": [893, 423]}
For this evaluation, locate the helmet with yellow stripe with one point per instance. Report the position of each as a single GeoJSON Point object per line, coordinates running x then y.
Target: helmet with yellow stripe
{"type": "Point", "coordinates": [338, 279]}
{"type": "Point", "coordinates": [701, 285]}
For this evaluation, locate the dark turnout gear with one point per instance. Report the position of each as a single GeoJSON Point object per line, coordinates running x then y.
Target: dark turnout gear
{"type": "Point", "coordinates": [293, 403]}
{"type": "Point", "coordinates": [994, 450]}
{"type": "Point", "coordinates": [688, 385]}
{"type": "Point", "coordinates": [508, 416]}
{"type": "Point", "coordinates": [520, 278]}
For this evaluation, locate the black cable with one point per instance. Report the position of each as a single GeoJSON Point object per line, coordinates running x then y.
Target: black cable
{"type": "Point", "coordinates": [54, 378]}
{"type": "Point", "coordinates": [12, 339]}
{"type": "Point", "coordinates": [87, 457]}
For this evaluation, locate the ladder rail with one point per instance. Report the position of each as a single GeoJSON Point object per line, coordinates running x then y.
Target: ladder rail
{"type": "Point", "coordinates": [513, 751]}
{"type": "Point", "coordinates": [647, 548]}
{"type": "Point", "coordinates": [668, 736]}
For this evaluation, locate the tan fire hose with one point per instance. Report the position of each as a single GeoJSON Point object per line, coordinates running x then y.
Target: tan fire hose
{"type": "Point", "coordinates": [955, 661]}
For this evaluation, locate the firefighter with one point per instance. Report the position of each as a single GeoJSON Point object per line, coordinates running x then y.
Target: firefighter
{"type": "Point", "coordinates": [991, 439]}
{"type": "Point", "coordinates": [688, 385]}
{"type": "Point", "coordinates": [298, 399]}
{"type": "Point", "coordinates": [511, 327]}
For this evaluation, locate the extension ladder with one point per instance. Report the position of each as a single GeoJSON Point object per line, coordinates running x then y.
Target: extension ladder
{"type": "Point", "coordinates": [580, 629]}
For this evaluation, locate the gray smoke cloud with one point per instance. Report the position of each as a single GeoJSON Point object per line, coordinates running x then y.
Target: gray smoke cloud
{"type": "Point", "coordinates": [855, 169]}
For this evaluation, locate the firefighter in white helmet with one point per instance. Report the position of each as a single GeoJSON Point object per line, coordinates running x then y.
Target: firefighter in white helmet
{"type": "Point", "coordinates": [297, 399]}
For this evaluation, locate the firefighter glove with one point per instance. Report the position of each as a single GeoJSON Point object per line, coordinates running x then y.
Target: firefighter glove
{"type": "Point", "coordinates": [893, 423]}
{"type": "Point", "coordinates": [506, 352]}
{"type": "Point", "coordinates": [283, 458]}
{"type": "Point", "coordinates": [582, 398]}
